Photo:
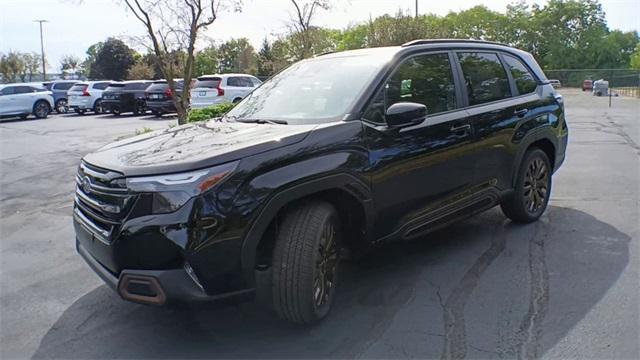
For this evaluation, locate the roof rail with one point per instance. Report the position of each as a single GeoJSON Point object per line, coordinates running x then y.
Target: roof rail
{"type": "Point", "coordinates": [324, 53]}
{"type": "Point", "coordinates": [440, 41]}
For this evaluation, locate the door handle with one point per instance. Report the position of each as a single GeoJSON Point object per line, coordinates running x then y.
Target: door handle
{"type": "Point", "coordinates": [521, 112]}
{"type": "Point", "coordinates": [460, 128]}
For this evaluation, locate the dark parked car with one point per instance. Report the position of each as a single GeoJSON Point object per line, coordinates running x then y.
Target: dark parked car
{"type": "Point", "coordinates": [159, 97]}
{"type": "Point", "coordinates": [345, 150]}
{"type": "Point", "coordinates": [126, 96]}
{"type": "Point", "coordinates": [59, 89]}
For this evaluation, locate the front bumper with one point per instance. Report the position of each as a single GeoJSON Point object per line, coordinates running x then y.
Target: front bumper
{"type": "Point", "coordinates": [156, 287]}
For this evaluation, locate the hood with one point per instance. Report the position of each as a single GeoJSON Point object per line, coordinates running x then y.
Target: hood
{"type": "Point", "coordinates": [194, 146]}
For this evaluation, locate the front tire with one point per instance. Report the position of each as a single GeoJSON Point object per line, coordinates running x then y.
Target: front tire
{"type": "Point", "coordinates": [305, 263]}
{"type": "Point", "coordinates": [97, 107]}
{"type": "Point", "coordinates": [61, 106]}
{"type": "Point", "coordinates": [533, 188]}
{"type": "Point", "coordinates": [41, 109]}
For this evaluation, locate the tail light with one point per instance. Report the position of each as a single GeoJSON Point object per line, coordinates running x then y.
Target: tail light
{"type": "Point", "coordinates": [85, 92]}
{"type": "Point", "coordinates": [220, 90]}
{"type": "Point", "coordinates": [168, 93]}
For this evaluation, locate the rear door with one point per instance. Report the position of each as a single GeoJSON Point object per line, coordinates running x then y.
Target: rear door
{"type": "Point", "coordinates": [419, 173]}
{"type": "Point", "coordinates": [497, 106]}
{"type": "Point", "coordinates": [8, 100]}
{"type": "Point", "coordinates": [24, 96]}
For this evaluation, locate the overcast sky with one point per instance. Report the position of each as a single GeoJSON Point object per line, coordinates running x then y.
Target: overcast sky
{"type": "Point", "coordinates": [74, 25]}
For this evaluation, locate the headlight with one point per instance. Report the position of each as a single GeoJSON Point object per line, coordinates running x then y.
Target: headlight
{"type": "Point", "coordinates": [169, 192]}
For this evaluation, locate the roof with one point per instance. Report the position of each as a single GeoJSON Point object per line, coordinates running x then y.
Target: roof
{"type": "Point", "coordinates": [223, 75]}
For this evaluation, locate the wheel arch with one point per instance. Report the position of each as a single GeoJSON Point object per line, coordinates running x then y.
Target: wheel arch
{"type": "Point", "coordinates": [349, 195]}
{"type": "Point", "coordinates": [542, 139]}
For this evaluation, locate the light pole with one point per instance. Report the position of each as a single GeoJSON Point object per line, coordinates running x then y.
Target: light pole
{"type": "Point", "coordinates": [416, 8]}
{"type": "Point", "coordinates": [44, 70]}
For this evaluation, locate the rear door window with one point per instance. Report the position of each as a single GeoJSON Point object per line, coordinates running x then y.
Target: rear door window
{"type": "Point", "coordinates": [210, 83]}
{"type": "Point", "coordinates": [484, 76]}
{"type": "Point", "coordinates": [235, 81]}
{"type": "Point", "coordinates": [25, 89]}
{"type": "Point", "coordinates": [525, 82]}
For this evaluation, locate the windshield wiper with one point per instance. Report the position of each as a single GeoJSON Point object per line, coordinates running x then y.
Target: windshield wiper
{"type": "Point", "coordinates": [261, 121]}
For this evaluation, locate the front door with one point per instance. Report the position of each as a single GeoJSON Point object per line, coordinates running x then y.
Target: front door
{"type": "Point", "coordinates": [421, 171]}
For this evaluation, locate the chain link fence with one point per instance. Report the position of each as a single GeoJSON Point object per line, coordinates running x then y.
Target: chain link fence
{"type": "Point", "coordinates": [624, 82]}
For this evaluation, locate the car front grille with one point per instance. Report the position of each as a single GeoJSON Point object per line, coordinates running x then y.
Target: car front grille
{"type": "Point", "coordinates": [101, 202]}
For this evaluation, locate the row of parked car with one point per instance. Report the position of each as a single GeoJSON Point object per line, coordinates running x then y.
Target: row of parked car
{"type": "Point", "coordinates": [136, 96]}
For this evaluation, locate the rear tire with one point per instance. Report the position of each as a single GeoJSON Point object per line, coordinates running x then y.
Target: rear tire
{"type": "Point", "coordinates": [533, 188]}
{"type": "Point", "coordinates": [41, 109]}
{"type": "Point", "coordinates": [236, 100]}
{"type": "Point", "coordinates": [97, 107]}
{"type": "Point", "coordinates": [115, 111]}
{"type": "Point", "coordinates": [305, 263]}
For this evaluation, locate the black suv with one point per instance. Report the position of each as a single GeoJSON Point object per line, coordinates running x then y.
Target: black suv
{"type": "Point", "coordinates": [341, 151]}
{"type": "Point", "coordinates": [126, 96]}
{"type": "Point", "coordinates": [159, 97]}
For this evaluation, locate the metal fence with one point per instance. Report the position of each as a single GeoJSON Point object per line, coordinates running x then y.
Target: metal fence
{"type": "Point", "coordinates": [617, 78]}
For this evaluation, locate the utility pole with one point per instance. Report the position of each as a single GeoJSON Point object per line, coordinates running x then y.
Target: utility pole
{"type": "Point", "coordinates": [44, 70]}
{"type": "Point", "coordinates": [416, 9]}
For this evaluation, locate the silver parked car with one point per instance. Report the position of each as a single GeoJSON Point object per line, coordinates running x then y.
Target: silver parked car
{"type": "Point", "coordinates": [216, 89]}
{"type": "Point", "coordinates": [87, 96]}
{"type": "Point", "coordinates": [24, 99]}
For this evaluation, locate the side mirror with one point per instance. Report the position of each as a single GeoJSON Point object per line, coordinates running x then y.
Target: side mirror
{"type": "Point", "coordinates": [405, 113]}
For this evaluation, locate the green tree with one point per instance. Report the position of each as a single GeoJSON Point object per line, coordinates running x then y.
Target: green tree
{"type": "Point", "coordinates": [33, 63]}
{"type": "Point", "coordinates": [635, 59]}
{"type": "Point", "coordinates": [70, 65]}
{"type": "Point", "coordinates": [265, 59]}
{"type": "Point", "coordinates": [91, 52]}
{"type": "Point", "coordinates": [112, 60]}
{"type": "Point", "coordinates": [12, 66]}
{"type": "Point", "coordinates": [207, 61]}
{"type": "Point", "coordinates": [238, 56]}
{"type": "Point", "coordinates": [141, 70]}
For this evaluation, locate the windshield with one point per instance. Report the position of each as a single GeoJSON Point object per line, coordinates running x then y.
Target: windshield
{"type": "Point", "coordinates": [312, 91]}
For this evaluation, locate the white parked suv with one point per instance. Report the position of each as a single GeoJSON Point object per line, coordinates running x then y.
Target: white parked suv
{"type": "Point", "coordinates": [24, 99]}
{"type": "Point", "coordinates": [215, 89]}
{"type": "Point", "coordinates": [87, 96]}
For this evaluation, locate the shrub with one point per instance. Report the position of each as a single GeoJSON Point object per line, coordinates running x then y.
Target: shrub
{"type": "Point", "coordinates": [209, 112]}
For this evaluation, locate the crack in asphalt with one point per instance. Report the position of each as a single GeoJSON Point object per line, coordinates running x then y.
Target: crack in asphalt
{"type": "Point", "coordinates": [530, 332]}
{"type": "Point", "coordinates": [455, 338]}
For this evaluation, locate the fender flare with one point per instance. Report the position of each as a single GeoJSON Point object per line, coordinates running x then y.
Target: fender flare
{"type": "Point", "coordinates": [545, 132]}
{"type": "Point", "coordinates": [282, 197]}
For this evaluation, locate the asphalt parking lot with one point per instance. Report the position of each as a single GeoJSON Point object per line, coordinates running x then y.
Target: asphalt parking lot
{"type": "Point", "coordinates": [564, 287]}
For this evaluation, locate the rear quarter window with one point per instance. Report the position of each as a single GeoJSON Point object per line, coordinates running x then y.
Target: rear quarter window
{"type": "Point", "coordinates": [525, 81]}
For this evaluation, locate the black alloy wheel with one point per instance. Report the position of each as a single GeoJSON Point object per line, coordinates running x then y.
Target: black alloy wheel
{"type": "Point", "coordinates": [532, 190]}
{"type": "Point", "coordinates": [326, 266]}
{"type": "Point", "coordinates": [304, 267]}
{"type": "Point", "coordinates": [536, 185]}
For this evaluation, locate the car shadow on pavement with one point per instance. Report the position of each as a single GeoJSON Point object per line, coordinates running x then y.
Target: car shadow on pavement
{"type": "Point", "coordinates": [483, 288]}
